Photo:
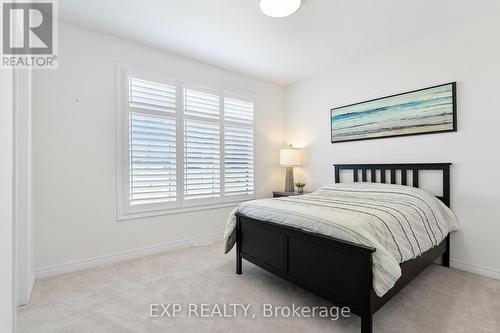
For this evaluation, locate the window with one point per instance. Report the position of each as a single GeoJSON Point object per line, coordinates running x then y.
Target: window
{"type": "Point", "coordinates": [181, 147]}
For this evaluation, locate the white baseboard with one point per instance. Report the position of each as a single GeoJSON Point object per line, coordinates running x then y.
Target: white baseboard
{"type": "Point", "coordinates": [127, 255]}
{"type": "Point", "coordinates": [476, 269]}
{"type": "Point", "coordinates": [199, 241]}
{"type": "Point", "coordinates": [24, 296]}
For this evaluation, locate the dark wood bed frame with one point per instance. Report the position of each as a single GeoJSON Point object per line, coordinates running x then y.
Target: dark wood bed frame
{"type": "Point", "coordinates": [333, 269]}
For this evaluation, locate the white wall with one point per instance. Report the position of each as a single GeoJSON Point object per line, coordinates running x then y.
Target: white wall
{"type": "Point", "coordinates": [468, 54]}
{"type": "Point", "coordinates": [7, 232]}
{"type": "Point", "coordinates": [74, 150]}
{"type": "Point", "coordinates": [25, 275]}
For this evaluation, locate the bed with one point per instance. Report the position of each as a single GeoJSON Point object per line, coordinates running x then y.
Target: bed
{"type": "Point", "coordinates": [339, 270]}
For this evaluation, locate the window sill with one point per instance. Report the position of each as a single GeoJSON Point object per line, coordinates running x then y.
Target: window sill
{"type": "Point", "coordinates": [181, 210]}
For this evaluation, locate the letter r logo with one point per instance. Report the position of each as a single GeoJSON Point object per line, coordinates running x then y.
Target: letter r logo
{"type": "Point", "coordinates": [27, 27]}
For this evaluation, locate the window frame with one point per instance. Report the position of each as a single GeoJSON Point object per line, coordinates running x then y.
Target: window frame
{"type": "Point", "coordinates": [127, 211]}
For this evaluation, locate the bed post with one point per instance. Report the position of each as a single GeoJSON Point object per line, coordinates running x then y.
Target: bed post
{"type": "Point", "coordinates": [367, 311]}
{"type": "Point", "coordinates": [446, 200]}
{"type": "Point", "coordinates": [446, 254]}
{"type": "Point", "coordinates": [337, 174]}
{"type": "Point", "coordinates": [238, 245]}
{"type": "Point", "coordinates": [366, 323]}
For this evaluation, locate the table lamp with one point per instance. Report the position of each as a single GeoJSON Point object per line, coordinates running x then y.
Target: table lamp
{"type": "Point", "coordinates": [290, 157]}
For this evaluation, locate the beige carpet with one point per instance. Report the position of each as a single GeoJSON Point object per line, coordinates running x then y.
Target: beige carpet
{"type": "Point", "coordinates": [116, 298]}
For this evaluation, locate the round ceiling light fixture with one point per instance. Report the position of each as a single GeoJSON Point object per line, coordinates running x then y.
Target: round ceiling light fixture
{"type": "Point", "coordinates": [279, 8]}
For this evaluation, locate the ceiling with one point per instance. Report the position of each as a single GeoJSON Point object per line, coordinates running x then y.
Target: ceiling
{"type": "Point", "coordinates": [234, 34]}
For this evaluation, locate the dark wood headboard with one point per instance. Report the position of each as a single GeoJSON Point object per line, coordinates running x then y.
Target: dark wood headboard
{"type": "Point", "coordinates": [393, 168]}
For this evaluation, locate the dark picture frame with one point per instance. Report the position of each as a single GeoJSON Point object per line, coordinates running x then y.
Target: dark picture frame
{"type": "Point", "coordinates": [381, 108]}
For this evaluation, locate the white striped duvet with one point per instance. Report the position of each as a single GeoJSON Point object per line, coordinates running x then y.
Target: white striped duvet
{"type": "Point", "coordinates": [400, 222]}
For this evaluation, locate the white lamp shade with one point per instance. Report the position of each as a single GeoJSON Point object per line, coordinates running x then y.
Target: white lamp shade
{"type": "Point", "coordinates": [290, 157]}
{"type": "Point", "coordinates": [279, 8]}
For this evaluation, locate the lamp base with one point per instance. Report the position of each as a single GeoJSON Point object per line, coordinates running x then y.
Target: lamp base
{"type": "Point", "coordinates": [289, 185]}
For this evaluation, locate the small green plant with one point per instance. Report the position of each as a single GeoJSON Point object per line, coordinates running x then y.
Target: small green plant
{"type": "Point", "coordinates": [300, 185]}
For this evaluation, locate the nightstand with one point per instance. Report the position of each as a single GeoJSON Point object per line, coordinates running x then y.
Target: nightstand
{"type": "Point", "coordinates": [280, 194]}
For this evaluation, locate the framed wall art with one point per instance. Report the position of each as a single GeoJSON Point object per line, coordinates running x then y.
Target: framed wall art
{"type": "Point", "coordinates": [423, 111]}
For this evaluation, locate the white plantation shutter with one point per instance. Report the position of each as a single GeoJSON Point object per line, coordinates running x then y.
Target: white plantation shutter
{"type": "Point", "coordinates": [238, 160]}
{"type": "Point", "coordinates": [238, 147]}
{"type": "Point", "coordinates": [202, 172]}
{"type": "Point", "coordinates": [152, 142]}
{"type": "Point", "coordinates": [238, 111]}
{"type": "Point", "coordinates": [149, 95]}
{"type": "Point", "coordinates": [184, 147]}
{"type": "Point", "coordinates": [201, 104]}
{"type": "Point", "coordinates": [152, 159]}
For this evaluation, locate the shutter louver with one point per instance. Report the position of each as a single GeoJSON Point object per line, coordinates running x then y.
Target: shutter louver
{"type": "Point", "coordinates": [201, 145]}
{"type": "Point", "coordinates": [238, 161]}
{"type": "Point", "coordinates": [201, 104]}
{"type": "Point", "coordinates": [238, 148]}
{"type": "Point", "coordinates": [152, 95]}
{"type": "Point", "coordinates": [152, 142]}
{"type": "Point", "coordinates": [152, 156]}
{"type": "Point", "coordinates": [238, 111]}
{"type": "Point", "coordinates": [201, 160]}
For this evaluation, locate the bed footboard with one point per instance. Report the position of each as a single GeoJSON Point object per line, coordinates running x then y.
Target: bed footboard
{"type": "Point", "coordinates": [335, 270]}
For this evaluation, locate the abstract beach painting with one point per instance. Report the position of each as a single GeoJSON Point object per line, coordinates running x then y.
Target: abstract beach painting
{"type": "Point", "coordinates": [429, 110]}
